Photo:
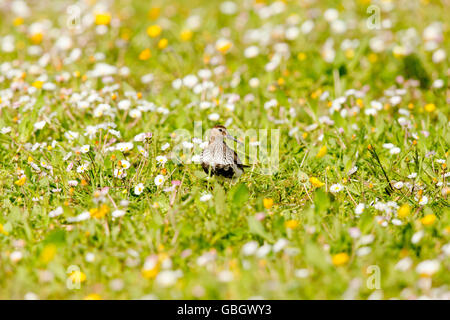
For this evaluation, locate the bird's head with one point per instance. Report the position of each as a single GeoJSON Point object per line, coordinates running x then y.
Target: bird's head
{"type": "Point", "coordinates": [219, 132]}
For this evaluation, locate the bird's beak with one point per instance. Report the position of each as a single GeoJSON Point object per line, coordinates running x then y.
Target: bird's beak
{"type": "Point", "coordinates": [234, 139]}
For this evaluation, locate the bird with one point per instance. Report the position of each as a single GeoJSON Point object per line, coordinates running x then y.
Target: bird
{"type": "Point", "coordinates": [218, 159]}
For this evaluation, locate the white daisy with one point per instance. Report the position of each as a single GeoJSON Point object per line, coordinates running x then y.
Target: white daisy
{"type": "Point", "coordinates": [423, 201]}
{"type": "Point", "coordinates": [249, 248]}
{"type": "Point", "coordinates": [159, 180]}
{"type": "Point", "coordinates": [398, 185]}
{"type": "Point", "coordinates": [161, 160]}
{"type": "Point", "coordinates": [124, 164]}
{"type": "Point", "coordinates": [139, 189]}
{"type": "Point", "coordinates": [124, 146]}
{"type": "Point", "coordinates": [83, 167]}
{"type": "Point", "coordinates": [360, 208]}
{"type": "Point", "coordinates": [412, 175]}
{"type": "Point", "coordinates": [165, 146]}
{"type": "Point", "coordinates": [135, 113]}
{"type": "Point", "coordinates": [39, 125]}
{"type": "Point", "coordinates": [428, 267]}
{"type": "Point", "coordinates": [205, 197]}
{"type": "Point", "coordinates": [119, 173]}
{"type": "Point", "coordinates": [81, 217]}
{"type": "Point", "coordinates": [118, 213]}
{"type": "Point", "coordinates": [72, 183]}
{"type": "Point", "coordinates": [142, 151]}
{"type": "Point", "coordinates": [54, 213]}
{"type": "Point", "coordinates": [335, 188]}
{"type": "Point", "coordinates": [85, 148]}
{"type": "Point", "coordinates": [124, 104]}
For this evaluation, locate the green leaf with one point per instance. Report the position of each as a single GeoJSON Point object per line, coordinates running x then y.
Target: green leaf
{"type": "Point", "coordinates": [126, 87]}
{"type": "Point", "coordinates": [158, 220]}
{"type": "Point", "coordinates": [163, 203]}
{"type": "Point", "coordinates": [8, 227]}
{"type": "Point", "coordinates": [365, 222]}
{"type": "Point", "coordinates": [314, 256]}
{"type": "Point", "coordinates": [219, 198]}
{"type": "Point", "coordinates": [28, 172]}
{"type": "Point", "coordinates": [107, 163]}
{"type": "Point", "coordinates": [414, 68]}
{"type": "Point", "coordinates": [257, 228]}
{"type": "Point", "coordinates": [321, 201]}
{"type": "Point", "coordinates": [241, 195]}
{"type": "Point", "coordinates": [200, 174]}
{"type": "Point", "coordinates": [56, 237]}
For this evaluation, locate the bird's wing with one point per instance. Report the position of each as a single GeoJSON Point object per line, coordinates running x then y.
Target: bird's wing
{"type": "Point", "coordinates": [205, 155]}
{"type": "Point", "coordinates": [231, 156]}
{"type": "Point", "coordinates": [213, 154]}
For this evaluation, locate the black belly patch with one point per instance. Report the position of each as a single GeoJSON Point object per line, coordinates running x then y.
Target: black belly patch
{"type": "Point", "coordinates": [224, 170]}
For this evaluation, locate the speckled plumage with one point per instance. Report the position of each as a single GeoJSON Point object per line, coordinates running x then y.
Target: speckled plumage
{"type": "Point", "coordinates": [219, 159]}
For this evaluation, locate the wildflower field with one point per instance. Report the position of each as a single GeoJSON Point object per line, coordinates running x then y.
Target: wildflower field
{"type": "Point", "coordinates": [105, 107]}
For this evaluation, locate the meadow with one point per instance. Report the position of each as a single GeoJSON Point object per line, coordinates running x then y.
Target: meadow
{"type": "Point", "coordinates": [105, 107]}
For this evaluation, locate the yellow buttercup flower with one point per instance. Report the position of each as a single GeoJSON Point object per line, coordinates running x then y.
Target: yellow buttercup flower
{"type": "Point", "coordinates": [153, 13]}
{"type": "Point", "coordinates": [268, 203]}
{"type": "Point", "coordinates": [316, 182]}
{"type": "Point", "coordinates": [77, 276]}
{"type": "Point", "coordinates": [186, 35]}
{"type": "Point", "coordinates": [93, 296]}
{"type": "Point", "coordinates": [125, 34]}
{"type": "Point", "coordinates": [315, 94]}
{"type": "Point", "coordinates": [99, 212]}
{"type": "Point", "coordinates": [223, 45]}
{"type": "Point", "coordinates": [404, 211]}
{"type": "Point", "coordinates": [428, 220]}
{"type": "Point", "coordinates": [21, 181]}
{"type": "Point", "coordinates": [291, 224]}
{"type": "Point", "coordinates": [154, 31]}
{"type": "Point", "coordinates": [373, 57]}
{"type": "Point", "coordinates": [430, 107]}
{"type": "Point", "coordinates": [37, 84]}
{"type": "Point", "coordinates": [162, 44]}
{"type": "Point", "coordinates": [340, 259]}
{"type": "Point", "coordinates": [48, 253]}
{"type": "Point", "coordinates": [150, 273]}
{"type": "Point", "coordinates": [349, 53]}
{"type": "Point", "coordinates": [2, 230]}
{"type": "Point", "coordinates": [36, 38]}
{"type": "Point", "coordinates": [301, 56]}
{"type": "Point", "coordinates": [359, 102]}
{"type": "Point", "coordinates": [399, 51]}
{"type": "Point", "coordinates": [102, 18]}
{"type": "Point", "coordinates": [145, 55]}
{"type": "Point", "coordinates": [322, 152]}
{"type": "Point", "coordinates": [18, 21]}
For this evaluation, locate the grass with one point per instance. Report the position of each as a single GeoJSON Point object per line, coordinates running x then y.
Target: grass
{"type": "Point", "coordinates": [373, 224]}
